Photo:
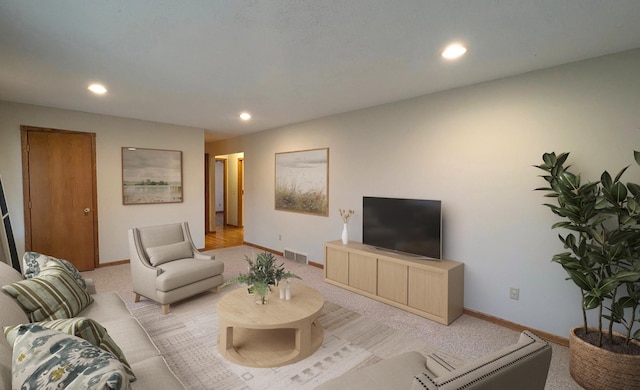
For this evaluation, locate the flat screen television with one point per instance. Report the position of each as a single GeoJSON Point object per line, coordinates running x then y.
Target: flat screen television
{"type": "Point", "coordinates": [411, 226]}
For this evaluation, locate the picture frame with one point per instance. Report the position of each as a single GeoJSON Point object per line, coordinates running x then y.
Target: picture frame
{"type": "Point", "coordinates": [302, 181]}
{"type": "Point", "coordinates": [151, 176]}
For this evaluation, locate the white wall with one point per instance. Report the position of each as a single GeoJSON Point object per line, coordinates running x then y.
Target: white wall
{"type": "Point", "coordinates": [473, 148]}
{"type": "Point", "coordinates": [112, 133]}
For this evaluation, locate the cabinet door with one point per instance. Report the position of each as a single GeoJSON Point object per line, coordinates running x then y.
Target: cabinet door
{"type": "Point", "coordinates": [362, 272]}
{"type": "Point", "coordinates": [336, 265]}
{"type": "Point", "coordinates": [392, 281]}
{"type": "Point", "coordinates": [427, 291]}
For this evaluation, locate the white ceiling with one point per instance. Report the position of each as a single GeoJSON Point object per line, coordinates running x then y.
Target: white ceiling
{"type": "Point", "coordinates": [200, 63]}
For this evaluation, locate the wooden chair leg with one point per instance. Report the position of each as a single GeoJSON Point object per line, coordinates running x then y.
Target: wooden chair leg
{"type": "Point", "coordinates": [165, 309]}
{"type": "Point", "coordinates": [136, 297]}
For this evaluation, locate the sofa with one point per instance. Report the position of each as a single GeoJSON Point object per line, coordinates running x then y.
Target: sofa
{"type": "Point", "coordinates": [523, 366]}
{"type": "Point", "coordinates": [107, 309]}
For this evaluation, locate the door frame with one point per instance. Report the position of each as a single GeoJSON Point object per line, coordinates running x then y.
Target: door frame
{"type": "Point", "coordinates": [207, 199]}
{"type": "Point", "coordinates": [224, 189]}
{"type": "Point", "coordinates": [26, 193]}
{"type": "Point", "coordinates": [241, 192]}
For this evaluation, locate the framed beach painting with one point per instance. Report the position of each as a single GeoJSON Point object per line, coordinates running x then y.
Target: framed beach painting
{"type": "Point", "coordinates": [151, 176]}
{"type": "Point", "coordinates": [302, 181]}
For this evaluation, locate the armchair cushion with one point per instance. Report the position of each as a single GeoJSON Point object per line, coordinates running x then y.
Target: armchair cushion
{"type": "Point", "coordinates": [165, 253]}
{"type": "Point", "coordinates": [186, 271]}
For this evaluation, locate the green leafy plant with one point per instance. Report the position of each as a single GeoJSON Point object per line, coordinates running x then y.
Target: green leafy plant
{"type": "Point", "coordinates": [603, 220]}
{"type": "Point", "coordinates": [262, 273]}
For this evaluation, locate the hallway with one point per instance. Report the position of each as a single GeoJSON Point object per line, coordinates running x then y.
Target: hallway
{"type": "Point", "coordinates": [224, 236]}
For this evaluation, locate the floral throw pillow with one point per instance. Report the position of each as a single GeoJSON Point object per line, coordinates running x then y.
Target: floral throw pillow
{"type": "Point", "coordinates": [48, 359]}
{"type": "Point", "coordinates": [35, 262]}
{"type": "Point", "coordinates": [85, 328]}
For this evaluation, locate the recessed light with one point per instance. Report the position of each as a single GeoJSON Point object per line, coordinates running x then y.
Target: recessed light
{"type": "Point", "coordinates": [453, 51]}
{"type": "Point", "coordinates": [245, 116]}
{"type": "Point", "coordinates": [98, 89]}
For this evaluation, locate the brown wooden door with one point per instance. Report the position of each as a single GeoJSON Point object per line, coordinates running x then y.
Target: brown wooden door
{"type": "Point", "coordinates": [60, 195]}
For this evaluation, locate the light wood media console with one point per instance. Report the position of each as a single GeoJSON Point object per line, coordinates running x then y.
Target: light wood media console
{"type": "Point", "coordinates": [432, 289]}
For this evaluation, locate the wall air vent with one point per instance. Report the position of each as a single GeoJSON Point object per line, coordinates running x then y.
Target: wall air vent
{"type": "Point", "coordinates": [295, 256]}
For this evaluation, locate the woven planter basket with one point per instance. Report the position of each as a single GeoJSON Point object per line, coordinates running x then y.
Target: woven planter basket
{"type": "Point", "coordinates": [595, 368]}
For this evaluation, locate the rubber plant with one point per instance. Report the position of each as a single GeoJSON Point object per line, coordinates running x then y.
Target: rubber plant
{"type": "Point", "coordinates": [262, 273]}
{"type": "Point", "coordinates": [602, 220]}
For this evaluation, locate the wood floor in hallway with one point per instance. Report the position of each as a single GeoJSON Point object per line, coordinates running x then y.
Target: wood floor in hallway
{"type": "Point", "coordinates": [224, 236]}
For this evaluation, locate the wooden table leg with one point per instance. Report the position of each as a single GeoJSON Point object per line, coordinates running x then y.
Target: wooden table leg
{"type": "Point", "coordinates": [303, 339]}
{"type": "Point", "coordinates": [225, 339]}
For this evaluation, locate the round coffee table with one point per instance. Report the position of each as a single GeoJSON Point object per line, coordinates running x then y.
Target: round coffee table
{"type": "Point", "coordinates": [278, 333]}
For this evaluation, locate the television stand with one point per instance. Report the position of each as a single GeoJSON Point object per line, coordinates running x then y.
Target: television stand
{"type": "Point", "coordinates": [431, 289]}
{"type": "Point", "coordinates": [405, 254]}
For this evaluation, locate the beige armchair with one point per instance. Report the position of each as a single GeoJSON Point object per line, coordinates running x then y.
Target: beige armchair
{"type": "Point", "coordinates": [166, 267]}
{"type": "Point", "coordinates": [523, 366]}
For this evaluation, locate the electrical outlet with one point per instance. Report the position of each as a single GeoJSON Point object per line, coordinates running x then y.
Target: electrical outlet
{"type": "Point", "coordinates": [514, 293]}
{"type": "Point", "coordinates": [280, 237]}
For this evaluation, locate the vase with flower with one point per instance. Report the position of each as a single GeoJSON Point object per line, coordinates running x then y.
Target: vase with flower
{"type": "Point", "coordinates": [345, 214]}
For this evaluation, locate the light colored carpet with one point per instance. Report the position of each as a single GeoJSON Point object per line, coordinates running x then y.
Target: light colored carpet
{"type": "Point", "coordinates": [358, 331]}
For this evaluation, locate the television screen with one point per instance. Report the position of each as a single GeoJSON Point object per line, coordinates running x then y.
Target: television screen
{"type": "Point", "coordinates": [411, 226]}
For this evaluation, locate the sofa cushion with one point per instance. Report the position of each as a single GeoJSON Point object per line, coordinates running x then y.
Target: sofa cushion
{"type": "Point", "coordinates": [165, 253]}
{"type": "Point", "coordinates": [34, 263]}
{"type": "Point", "coordinates": [394, 373]}
{"type": "Point", "coordinates": [154, 373]}
{"type": "Point", "coordinates": [106, 307]}
{"type": "Point", "coordinates": [85, 328]}
{"type": "Point", "coordinates": [182, 272]}
{"type": "Point", "coordinates": [48, 297]}
{"type": "Point", "coordinates": [132, 338]}
{"type": "Point", "coordinates": [8, 274]}
{"type": "Point", "coordinates": [46, 358]}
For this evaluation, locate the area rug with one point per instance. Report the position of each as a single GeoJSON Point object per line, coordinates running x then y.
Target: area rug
{"type": "Point", "coordinates": [187, 339]}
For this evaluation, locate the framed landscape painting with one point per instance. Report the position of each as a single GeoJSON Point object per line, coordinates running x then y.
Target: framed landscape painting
{"type": "Point", "coordinates": [302, 181]}
{"type": "Point", "coordinates": [151, 176]}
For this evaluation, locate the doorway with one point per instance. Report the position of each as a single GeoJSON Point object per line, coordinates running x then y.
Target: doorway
{"type": "Point", "coordinates": [227, 201]}
{"type": "Point", "coordinates": [60, 194]}
{"type": "Point", "coordinates": [220, 193]}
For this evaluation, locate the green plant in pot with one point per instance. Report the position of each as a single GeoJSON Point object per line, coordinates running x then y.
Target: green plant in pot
{"type": "Point", "coordinates": [602, 220]}
{"type": "Point", "coordinates": [262, 273]}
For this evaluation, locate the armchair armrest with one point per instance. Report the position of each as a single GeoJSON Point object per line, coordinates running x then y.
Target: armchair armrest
{"type": "Point", "coordinates": [523, 365]}
{"type": "Point", "coordinates": [202, 256]}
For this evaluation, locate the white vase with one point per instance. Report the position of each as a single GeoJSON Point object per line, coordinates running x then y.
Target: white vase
{"type": "Point", "coordinates": [345, 235]}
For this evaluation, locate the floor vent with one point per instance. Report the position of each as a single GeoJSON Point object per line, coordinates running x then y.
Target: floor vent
{"type": "Point", "coordinates": [295, 256]}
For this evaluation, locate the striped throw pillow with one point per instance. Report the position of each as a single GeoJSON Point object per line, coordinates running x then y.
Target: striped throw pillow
{"type": "Point", "coordinates": [34, 263]}
{"type": "Point", "coordinates": [52, 296]}
{"type": "Point", "coordinates": [85, 328]}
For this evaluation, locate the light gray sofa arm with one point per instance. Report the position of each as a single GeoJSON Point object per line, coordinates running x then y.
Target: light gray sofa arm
{"type": "Point", "coordinates": [522, 366]}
